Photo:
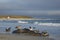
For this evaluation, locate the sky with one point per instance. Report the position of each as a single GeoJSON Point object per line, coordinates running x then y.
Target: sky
{"type": "Point", "coordinates": [35, 8]}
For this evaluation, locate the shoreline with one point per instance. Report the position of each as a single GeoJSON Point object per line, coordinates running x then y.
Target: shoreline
{"type": "Point", "coordinates": [19, 19]}
{"type": "Point", "coordinates": [22, 37]}
{"type": "Point", "coordinates": [25, 19]}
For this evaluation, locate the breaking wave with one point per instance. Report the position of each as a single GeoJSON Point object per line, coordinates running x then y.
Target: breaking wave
{"type": "Point", "coordinates": [47, 24]}
{"type": "Point", "coordinates": [22, 22]}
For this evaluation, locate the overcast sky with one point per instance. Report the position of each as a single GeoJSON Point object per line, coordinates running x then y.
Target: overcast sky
{"type": "Point", "coordinates": [30, 7]}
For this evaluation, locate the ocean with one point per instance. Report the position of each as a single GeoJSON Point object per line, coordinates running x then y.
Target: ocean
{"type": "Point", "coordinates": [51, 26]}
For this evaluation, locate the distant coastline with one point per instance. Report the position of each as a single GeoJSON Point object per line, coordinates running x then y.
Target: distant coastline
{"type": "Point", "coordinates": [22, 18]}
{"type": "Point", "coordinates": [15, 16]}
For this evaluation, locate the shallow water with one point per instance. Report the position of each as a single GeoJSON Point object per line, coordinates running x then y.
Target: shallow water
{"type": "Point", "coordinates": [53, 29]}
{"type": "Point", "coordinates": [22, 37]}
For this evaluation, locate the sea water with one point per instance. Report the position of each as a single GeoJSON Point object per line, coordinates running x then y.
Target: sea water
{"type": "Point", "coordinates": [51, 26]}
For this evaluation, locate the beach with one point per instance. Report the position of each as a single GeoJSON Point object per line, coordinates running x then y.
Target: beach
{"type": "Point", "coordinates": [22, 37]}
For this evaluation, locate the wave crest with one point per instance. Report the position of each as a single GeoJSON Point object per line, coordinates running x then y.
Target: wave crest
{"type": "Point", "coordinates": [22, 22]}
{"type": "Point", "coordinates": [47, 24]}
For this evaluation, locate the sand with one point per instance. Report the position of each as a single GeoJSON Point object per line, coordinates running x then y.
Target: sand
{"type": "Point", "coordinates": [22, 37]}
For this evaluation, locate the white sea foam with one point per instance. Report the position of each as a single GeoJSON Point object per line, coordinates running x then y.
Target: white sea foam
{"type": "Point", "coordinates": [36, 23]}
{"type": "Point", "coordinates": [22, 22]}
{"type": "Point", "coordinates": [50, 24]}
{"type": "Point", "coordinates": [47, 24]}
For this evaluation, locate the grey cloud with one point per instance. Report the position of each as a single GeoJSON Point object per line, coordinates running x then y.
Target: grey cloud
{"type": "Point", "coordinates": [29, 7]}
{"type": "Point", "coordinates": [31, 4]}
